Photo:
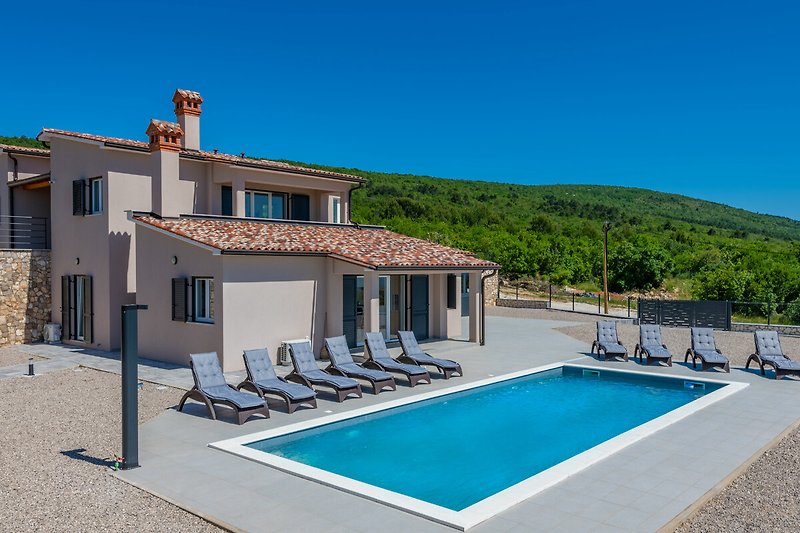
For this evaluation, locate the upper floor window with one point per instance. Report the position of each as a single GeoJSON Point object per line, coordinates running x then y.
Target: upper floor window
{"type": "Point", "coordinates": [95, 196]}
{"type": "Point", "coordinates": [336, 209]}
{"type": "Point", "coordinates": [261, 204]}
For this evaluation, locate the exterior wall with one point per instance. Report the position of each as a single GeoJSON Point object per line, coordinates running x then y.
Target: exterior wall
{"type": "Point", "coordinates": [81, 244]}
{"type": "Point", "coordinates": [34, 203]}
{"type": "Point", "coordinates": [24, 295]}
{"type": "Point", "coordinates": [272, 299]}
{"type": "Point", "coordinates": [490, 288]}
{"type": "Point", "coordinates": [160, 337]}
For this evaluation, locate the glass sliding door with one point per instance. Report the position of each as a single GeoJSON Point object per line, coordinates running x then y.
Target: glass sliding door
{"type": "Point", "coordinates": [419, 306]}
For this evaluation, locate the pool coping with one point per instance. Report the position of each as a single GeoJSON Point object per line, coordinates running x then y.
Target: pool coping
{"type": "Point", "coordinates": [496, 503]}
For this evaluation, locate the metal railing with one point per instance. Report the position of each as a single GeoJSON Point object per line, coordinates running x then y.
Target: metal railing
{"type": "Point", "coordinates": [23, 232]}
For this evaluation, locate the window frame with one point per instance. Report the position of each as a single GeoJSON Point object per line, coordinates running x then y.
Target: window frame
{"type": "Point", "coordinates": [95, 197]}
{"type": "Point", "coordinates": [207, 299]}
{"type": "Point", "coordinates": [336, 207]}
{"type": "Point", "coordinates": [249, 205]}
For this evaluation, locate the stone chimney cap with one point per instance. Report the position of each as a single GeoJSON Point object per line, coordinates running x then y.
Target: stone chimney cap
{"type": "Point", "coordinates": [162, 127]}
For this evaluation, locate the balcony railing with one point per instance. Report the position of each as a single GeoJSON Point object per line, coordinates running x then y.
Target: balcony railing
{"type": "Point", "coordinates": [21, 232]}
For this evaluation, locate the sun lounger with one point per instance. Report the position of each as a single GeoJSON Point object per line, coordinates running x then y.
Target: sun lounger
{"type": "Point", "coordinates": [651, 346]}
{"type": "Point", "coordinates": [380, 359]}
{"type": "Point", "coordinates": [769, 352]}
{"type": "Point", "coordinates": [607, 341]}
{"type": "Point", "coordinates": [262, 380]}
{"type": "Point", "coordinates": [414, 355]}
{"type": "Point", "coordinates": [342, 363]}
{"type": "Point", "coordinates": [308, 373]}
{"type": "Point", "coordinates": [211, 388]}
{"type": "Point", "coordinates": [705, 348]}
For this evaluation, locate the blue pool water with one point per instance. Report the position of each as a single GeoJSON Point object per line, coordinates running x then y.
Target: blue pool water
{"type": "Point", "coordinates": [458, 449]}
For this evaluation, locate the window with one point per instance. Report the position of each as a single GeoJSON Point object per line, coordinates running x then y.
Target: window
{"type": "Point", "coordinates": [95, 196]}
{"type": "Point", "coordinates": [227, 201]}
{"type": "Point", "coordinates": [261, 204]}
{"type": "Point", "coordinates": [77, 316]}
{"type": "Point", "coordinates": [203, 300]}
{"type": "Point", "coordinates": [301, 207]}
{"type": "Point", "coordinates": [335, 209]}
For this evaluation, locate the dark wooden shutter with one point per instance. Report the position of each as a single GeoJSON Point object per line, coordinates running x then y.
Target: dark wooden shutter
{"type": "Point", "coordinates": [451, 291]}
{"type": "Point", "coordinates": [227, 201]}
{"type": "Point", "coordinates": [66, 323]}
{"type": "Point", "coordinates": [180, 301]}
{"type": "Point", "coordinates": [88, 311]}
{"type": "Point", "coordinates": [301, 207]}
{"type": "Point", "coordinates": [349, 310]}
{"type": "Point", "coordinates": [79, 197]}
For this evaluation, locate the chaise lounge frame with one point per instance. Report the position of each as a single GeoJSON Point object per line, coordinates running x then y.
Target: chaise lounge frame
{"type": "Point", "coordinates": [781, 364]}
{"type": "Point", "coordinates": [292, 404]}
{"type": "Point", "coordinates": [650, 350]}
{"type": "Point", "coordinates": [379, 359]}
{"type": "Point", "coordinates": [299, 376]}
{"type": "Point", "coordinates": [606, 338]}
{"type": "Point", "coordinates": [698, 353]}
{"type": "Point", "coordinates": [413, 354]}
{"type": "Point", "coordinates": [351, 369]}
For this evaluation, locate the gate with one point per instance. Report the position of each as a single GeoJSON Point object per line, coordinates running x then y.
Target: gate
{"type": "Point", "coordinates": [686, 313]}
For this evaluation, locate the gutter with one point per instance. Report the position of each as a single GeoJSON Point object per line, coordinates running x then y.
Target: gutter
{"type": "Point", "coordinates": [482, 340]}
{"type": "Point", "coordinates": [350, 203]}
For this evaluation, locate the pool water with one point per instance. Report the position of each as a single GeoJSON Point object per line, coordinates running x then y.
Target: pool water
{"type": "Point", "coordinates": [459, 449]}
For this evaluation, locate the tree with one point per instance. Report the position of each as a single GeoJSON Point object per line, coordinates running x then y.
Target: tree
{"type": "Point", "coordinates": [638, 264]}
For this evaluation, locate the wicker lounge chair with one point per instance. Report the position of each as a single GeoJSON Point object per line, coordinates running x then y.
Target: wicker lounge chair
{"type": "Point", "coordinates": [342, 363]}
{"type": "Point", "coordinates": [769, 352]}
{"type": "Point", "coordinates": [380, 359]}
{"type": "Point", "coordinates": [211, 388]}
{"type": "Point", "coordinates": [262, 380]}
{"type": "Point", "coordinates": [414, 355]}
{"type": "Point", "coordinates": [607, 341]}
{"type": "Point", "coordinates": [309, 374]}
{"type": "Point", "coordinates": [651, 346]}
{"type": "Point", "coordinates": [705, 348]}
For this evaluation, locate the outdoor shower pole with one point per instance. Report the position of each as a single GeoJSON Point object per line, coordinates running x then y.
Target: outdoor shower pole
{"type": "Point", "coordinates": [130, 386]}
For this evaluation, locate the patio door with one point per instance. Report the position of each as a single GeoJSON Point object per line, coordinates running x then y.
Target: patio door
{"type": "Point", "coordinates": [419, 306]}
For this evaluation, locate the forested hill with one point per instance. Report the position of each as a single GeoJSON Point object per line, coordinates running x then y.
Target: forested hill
{"type": "Point", "coordinates": [555, 232]}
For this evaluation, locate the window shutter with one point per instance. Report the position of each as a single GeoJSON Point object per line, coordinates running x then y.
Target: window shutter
{"type": "Point", "coordinates": [66, 323]}
{"type": "Point", "coordinates": [451, 291]}
{"type": "Point", "coordinates": [180, 301]}
{"type": "Point", "coordinates": [88, 312]}
{"type": "Point", "coordinates": [79, 197]}
{"type": "Point", "coordinates": [301, 207]}
{"type": "Point", "coordinates": [227, 201]}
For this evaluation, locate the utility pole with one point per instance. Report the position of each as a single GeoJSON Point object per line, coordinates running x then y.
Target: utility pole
{"type": "Point", "coordinates": [606, 227]}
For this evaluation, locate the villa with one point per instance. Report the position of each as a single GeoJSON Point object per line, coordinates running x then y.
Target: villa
{"type": "Point", "coordinates": [229, 252]}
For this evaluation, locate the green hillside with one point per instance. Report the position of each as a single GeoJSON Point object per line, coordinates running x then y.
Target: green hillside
{"type": "Point", "coordinates": [554, 232]}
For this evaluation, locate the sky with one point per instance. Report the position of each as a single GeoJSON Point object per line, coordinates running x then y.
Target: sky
{"type": "Point", "coordinates": [696, 98]}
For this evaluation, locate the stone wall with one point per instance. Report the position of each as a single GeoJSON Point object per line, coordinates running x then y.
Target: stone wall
{"type": "Point", "coordinates": [490, 288]}
{"type": "Point", "coordinates": [24, 295]}
{"type": "Point", "coordinates": [521, 304]}
{"type": "Point", "coordinates": [782, 329]}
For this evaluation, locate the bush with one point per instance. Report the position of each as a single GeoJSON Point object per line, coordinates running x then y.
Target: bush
{"type": "Point", "coordinates": [639, 264]}
{"type": "Point", "coordinates": [792, 312]}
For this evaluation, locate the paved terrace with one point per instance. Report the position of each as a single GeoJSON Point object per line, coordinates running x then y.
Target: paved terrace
{"type": "Point", "coordinates": [641, 488]}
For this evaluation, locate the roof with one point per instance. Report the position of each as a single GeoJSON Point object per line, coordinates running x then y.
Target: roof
{"type": "Point", "coordinates": [183, 94]}
{"type": "Point", "coordinates": [372, 247]}
{"type": "Point", "coordinates": [209, 156]}
{"type": "Point", "coordinates": [24, 150]}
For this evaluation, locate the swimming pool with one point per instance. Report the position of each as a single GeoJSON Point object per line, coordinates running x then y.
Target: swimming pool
{"type": "Point", "coordinates": [461, 455]}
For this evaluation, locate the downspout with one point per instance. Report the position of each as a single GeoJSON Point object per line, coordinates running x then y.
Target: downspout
{"type": "Point", "coordinates": [350, 203]}
{"type": "Point", "coordinates": [483, 307]}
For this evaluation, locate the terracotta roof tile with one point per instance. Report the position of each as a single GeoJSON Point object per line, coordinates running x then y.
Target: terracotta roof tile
{"type": "Point", "coordinates": [24, 149]}
{"type": "Point", "coordinates": [373, 247]}
{"type": "Point", "coordinates": [213, 156]}
{"type": "Point", "coordinates": [163, 127]}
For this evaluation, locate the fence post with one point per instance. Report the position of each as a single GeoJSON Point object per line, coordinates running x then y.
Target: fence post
{"type": "Point", "coordinates": [629, 306]}
{"type": "Point", "coordinates": [728, 313]}
{"type": "Point", "coordinates": [573, 301]}
{"type": "Point", "coordinates": [769, 312]}
{"type": "Point", "coordinates": [598, 304]}
{"type": "Point", "coordinates": [551, 296]}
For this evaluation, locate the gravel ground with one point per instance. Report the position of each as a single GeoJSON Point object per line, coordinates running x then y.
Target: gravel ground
{"type": "Point", "coordinates": [10, 356]}
{"type": "Point", "coordinates": [56, 430]}
{"type": "Point", "coordinates": [765, 498]}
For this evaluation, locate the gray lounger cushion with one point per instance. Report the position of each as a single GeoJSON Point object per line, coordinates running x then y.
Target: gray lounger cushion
{"type": "Point", "coordinates": [211, 382]}
{"type": "Point", "coordinates": [264, 376]}
{"type": "Point", "coordinates": [768, 347]}
{"type": "Point", "coordinates": [380, 354]}
{"type": "Point", "coordinates": [306, 366]}
{"type": "Point", "coordinates": [705, 346]}
{"type": "Point", "coordinates": [650, 340]}
{"type": "Point", "coordinates": [412, 350]}
{"type": "Point", "coordinates": [607, 337]}
{"type": "Point", "coordinates": [340, 356]}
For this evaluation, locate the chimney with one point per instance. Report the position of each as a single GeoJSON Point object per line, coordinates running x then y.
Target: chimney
{"type": "Point", "coordinates": [188, 109]}
{"type": "Point", "coordinates": [164, 135]}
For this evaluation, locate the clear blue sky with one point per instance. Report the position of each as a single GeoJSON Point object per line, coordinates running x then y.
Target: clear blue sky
{"type": "Point", "coordinates": [694, 97]}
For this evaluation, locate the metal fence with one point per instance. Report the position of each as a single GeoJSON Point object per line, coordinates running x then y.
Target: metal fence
{"type": "Point", "coordinates": [686, 313]}
{"type": "Point", "coordinates": [22, 232]}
